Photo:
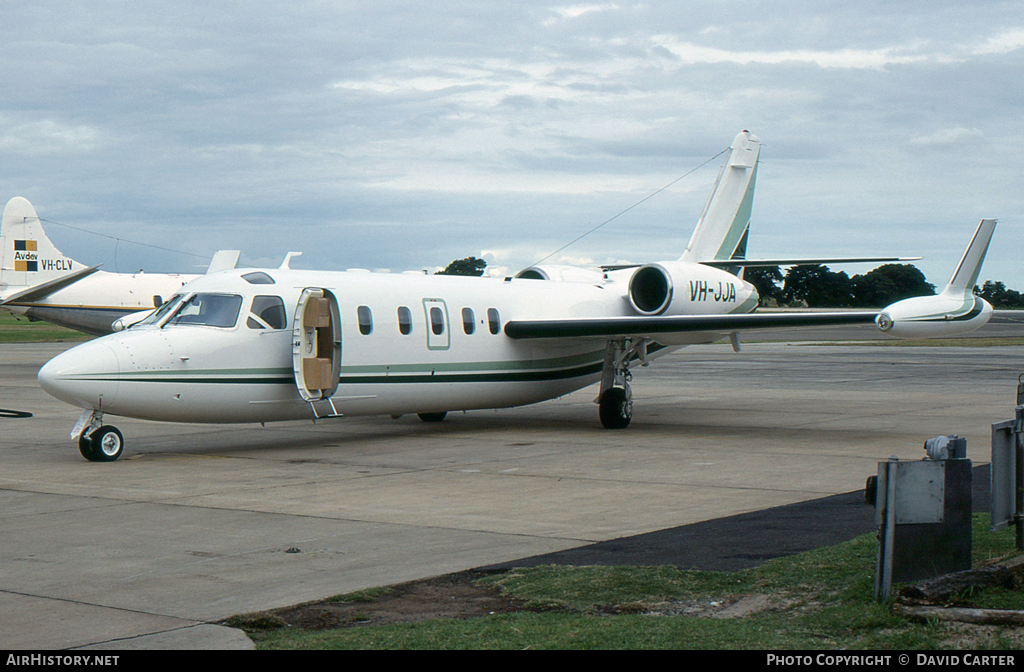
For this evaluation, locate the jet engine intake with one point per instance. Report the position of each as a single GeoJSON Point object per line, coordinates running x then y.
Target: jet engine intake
{"type": "Point", "coordinates": [650, 289]}
{"type": "Point", "coordinates": [681, 288]}
{"type": "Point", "coordinates": [561, 273]}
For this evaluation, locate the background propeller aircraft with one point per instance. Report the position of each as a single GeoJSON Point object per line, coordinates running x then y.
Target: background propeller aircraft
{"type": "Point", "coordinates": [39, 282]}
{"type": "Point", "coordinates": [281, 344]}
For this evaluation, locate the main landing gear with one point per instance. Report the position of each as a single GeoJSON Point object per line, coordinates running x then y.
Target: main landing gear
{"type": "Point", "coordinates": [615, 401]}
{"type": "Point", "coordinates": [98, 442]}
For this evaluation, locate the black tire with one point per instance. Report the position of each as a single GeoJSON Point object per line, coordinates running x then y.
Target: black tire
{"type": "Point", "coordinates": [432, 417]}
{"type": "Point", "coordinates": [85, 447]}
{"type": "Point", "coordinates": [105, 445]}
{"type": "Point", "coordinates": [615, 409]}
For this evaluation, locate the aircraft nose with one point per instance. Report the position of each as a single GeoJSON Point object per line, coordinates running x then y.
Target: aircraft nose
{"type": "Point", "coordinates": [85, 375]}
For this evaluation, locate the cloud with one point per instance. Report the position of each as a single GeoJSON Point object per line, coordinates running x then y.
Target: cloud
{"type": "Point", "coordinates": [404, 135]}
{"type": "Point", "coordinates": [46, 136]}
{"type": "Point", "coordinates": [947, 137]}
{"type": "Point", "coordinates": [576, 11]}
{"type": "Point", "coordinates": [1003, 42]}
{"type": "Point", "coordinates": [691, 53]}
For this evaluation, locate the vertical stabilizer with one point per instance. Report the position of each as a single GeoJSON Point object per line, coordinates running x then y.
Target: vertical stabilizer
{"type": "Point", "coordinates": [721, 232]}
{"type": "Point", "coordinates": [29, 258]}
{"type": "Point", "coordinates": [965, 277]}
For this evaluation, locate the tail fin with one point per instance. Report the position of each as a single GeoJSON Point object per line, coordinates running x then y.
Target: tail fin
{"type": "Point", "coordinates": [29, 258]}
{"type": "Point", "coordinates": [722, 229]}
{"type": "Point", "coordinates": [966, 274]}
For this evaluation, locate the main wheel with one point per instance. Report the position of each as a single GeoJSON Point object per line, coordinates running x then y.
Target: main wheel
{"type": "Point", "coordinates": [85, 447]}
{"type": "Point", "coordinates": [103, 445]}
{"type": "Point", "coordinates": [615, 408]}
{"type": "Point", "coordinates": [432, 417]}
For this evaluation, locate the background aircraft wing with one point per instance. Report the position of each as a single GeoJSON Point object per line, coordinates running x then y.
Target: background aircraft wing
{"type": "Point", "coordinates": [649, 326]}
{"type": "Point", "coordinates": [44, 289]}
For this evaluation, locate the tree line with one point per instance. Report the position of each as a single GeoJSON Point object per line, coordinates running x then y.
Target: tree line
{"type": "Point", "coordinates": [818, 287]}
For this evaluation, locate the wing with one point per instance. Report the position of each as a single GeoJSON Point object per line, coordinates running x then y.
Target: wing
{"type": "Point", "coordinates": [44, 289]}
{"type": "Point", "coordinates": [649, 326]}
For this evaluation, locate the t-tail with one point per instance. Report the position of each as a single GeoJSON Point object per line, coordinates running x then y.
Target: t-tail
{"type": "Point", "coordinates": [723, 227]}
{"type": "Point", "coordinates": [955, 310]}
{"type": "Point", "coordinates": [30, 260]}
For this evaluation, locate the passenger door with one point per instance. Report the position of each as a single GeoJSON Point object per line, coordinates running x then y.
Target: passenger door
{"type": "Point", "coordinates": [316, 344]}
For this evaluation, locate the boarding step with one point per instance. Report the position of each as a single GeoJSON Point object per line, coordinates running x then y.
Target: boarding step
{"type": "Point", "coordinates": [324, 408]}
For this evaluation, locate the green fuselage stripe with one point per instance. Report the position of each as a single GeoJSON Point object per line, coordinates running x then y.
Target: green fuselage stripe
{"type": "Point", "coordinates": [361, 375]}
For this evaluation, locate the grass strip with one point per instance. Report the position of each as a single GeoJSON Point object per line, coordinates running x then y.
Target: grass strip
{"type": "Point", "coordinates": [822, 599]}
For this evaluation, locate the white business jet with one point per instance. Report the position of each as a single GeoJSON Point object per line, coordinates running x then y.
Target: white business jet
{"type": "Point", "coordinates": [40, 283]}
{"type": "Point", "coordinates": [281, 344]}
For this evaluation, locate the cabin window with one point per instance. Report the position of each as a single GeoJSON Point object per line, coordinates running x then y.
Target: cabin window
{"type": "Point", "coordinates": [365, 320]}
{"type": "Point", "coordinates": [267, 312]}
{"type": "Point", "coordinates": [404, 320]}
{"type": "Point", "coordinates": [209, 310]}
{"type": "Point", "coordinates": [468, 320]}
{"type": "Point", "coordinates": [258, 278]}
{"type": "Point", "coordinates": [493, 320]}
{"type": "Point", "coordinates": [436, 321]}
{"type": "Point", "coordinates": [157, 300]}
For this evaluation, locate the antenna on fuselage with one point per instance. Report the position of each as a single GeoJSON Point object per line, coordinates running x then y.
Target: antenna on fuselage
{"type": "Point", "coordinates": [286, 264]}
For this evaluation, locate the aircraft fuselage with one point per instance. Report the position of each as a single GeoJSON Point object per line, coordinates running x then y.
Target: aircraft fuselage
{"type": "Point", "coordinates": [409, 343]}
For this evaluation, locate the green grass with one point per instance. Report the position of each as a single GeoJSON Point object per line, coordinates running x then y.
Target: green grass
{"type": "Point", "coordinates": [20, 330]}
{"type": "Point", "coordinates": [824, 599]}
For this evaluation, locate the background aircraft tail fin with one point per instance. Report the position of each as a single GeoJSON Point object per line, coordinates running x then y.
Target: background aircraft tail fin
{"type": "Point", "coordinates": [29, 258]}
{"type": "Point", "coordinates": [965, 277]}
{"type": "Point", "coordinates": [722, 229]}
{"type": "Point", "coordinates": [224, 260]}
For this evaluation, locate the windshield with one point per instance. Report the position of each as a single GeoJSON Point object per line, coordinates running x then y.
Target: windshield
{"type": "Point", "coordinates": [211, 310]}
{"type": "Point", "coordinates": [162, 311]}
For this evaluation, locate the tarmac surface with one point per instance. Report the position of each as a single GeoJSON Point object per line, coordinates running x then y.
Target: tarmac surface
{"type": "Point", "coordinates": [196, 523]}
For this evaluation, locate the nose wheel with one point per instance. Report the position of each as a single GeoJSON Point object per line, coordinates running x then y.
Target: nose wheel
{"type": "Point", "coordinates": [103, 445]}
{"type": "Point", "coordinates": [98, 442]}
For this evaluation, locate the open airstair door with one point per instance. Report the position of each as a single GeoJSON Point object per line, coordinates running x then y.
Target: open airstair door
{"type": "Point", "coordinates": [316, 345]}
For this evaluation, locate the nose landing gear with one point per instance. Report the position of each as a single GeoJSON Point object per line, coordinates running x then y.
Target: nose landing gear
{"type": "Point", "coordinates": [97, 442]}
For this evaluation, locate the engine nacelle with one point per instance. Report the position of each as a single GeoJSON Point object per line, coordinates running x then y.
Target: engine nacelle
{"type": "Point", "coordinates": [679, 288]}
{"type": "Point", "coordinates": [934, 316]}
{"type": "Point", "coordinates": [561, 273]}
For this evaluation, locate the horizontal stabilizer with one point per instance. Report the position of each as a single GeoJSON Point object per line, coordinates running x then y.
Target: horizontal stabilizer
{"type": "Point", "coordinates": [42, 290]}
{"type": "Point", "coordinates": [224, 260]}
{"type": "Point", "coordinates": [750, 263]}
{"type": "Point", "coordinates": [642, 326]}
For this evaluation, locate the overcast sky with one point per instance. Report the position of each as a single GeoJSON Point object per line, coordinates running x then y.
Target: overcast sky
{"type": "Point", "coordinates": [403, 135]}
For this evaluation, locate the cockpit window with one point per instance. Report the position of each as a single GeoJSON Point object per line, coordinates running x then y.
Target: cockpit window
{"type": "Point", "coordinates": [210, 310]}
{"type": "Point", "coordinates": [162, 311]}
{"type": "Point", "coordinates": [258, 278]}
{"type": "Point", "coordinates": [267, 312]}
